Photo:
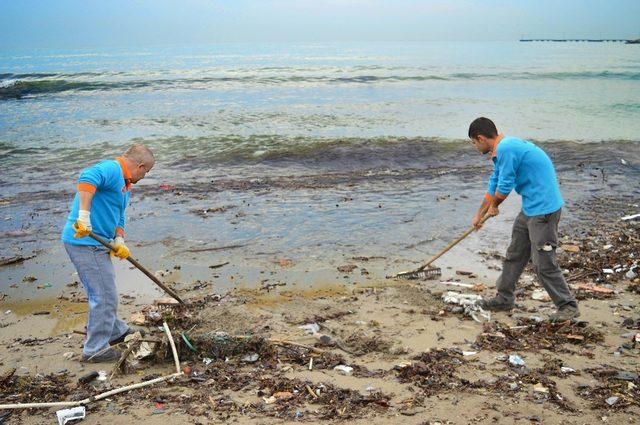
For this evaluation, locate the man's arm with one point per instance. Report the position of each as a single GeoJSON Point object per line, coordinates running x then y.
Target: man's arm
{"type": "Point", "coordinates": [507, 164]}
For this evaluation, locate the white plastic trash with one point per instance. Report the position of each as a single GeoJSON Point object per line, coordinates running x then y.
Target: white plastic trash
{"type": "Point", "coordinates": [345, 370]}
{"type": "Point", "coordinates": [310, 328]}
{"type": "Point", "coordinates": [68, 415]}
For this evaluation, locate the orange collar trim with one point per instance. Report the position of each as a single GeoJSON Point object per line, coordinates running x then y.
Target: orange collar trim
{"type": "Point", "coordinates": [494, 151]}
{"type": "Point", "coordinates": [125, 172]}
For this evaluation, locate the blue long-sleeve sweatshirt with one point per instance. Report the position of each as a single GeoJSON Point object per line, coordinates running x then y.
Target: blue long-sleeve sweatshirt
{"type": "Point", "coordinates": [523, 166]}
{"type": "Point", "coordinates": [109, 183]}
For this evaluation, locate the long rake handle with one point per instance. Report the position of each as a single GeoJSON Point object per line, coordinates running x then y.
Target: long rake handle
{"type": "Point", "coordinates": [451, 245]}
{"type": "Point", "coordinates": [139, 267]}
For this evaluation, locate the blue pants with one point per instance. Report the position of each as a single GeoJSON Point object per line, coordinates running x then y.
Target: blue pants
{"type": "Point", "coordinates": [98, 277]}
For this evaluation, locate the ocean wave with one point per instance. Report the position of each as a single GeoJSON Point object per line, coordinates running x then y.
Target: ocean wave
{"type": "Point", "coordinates": [17, 86]}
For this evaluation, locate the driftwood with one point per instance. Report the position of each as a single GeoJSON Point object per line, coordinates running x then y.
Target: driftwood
{"type": "Point", "coordinates": [108, 393]}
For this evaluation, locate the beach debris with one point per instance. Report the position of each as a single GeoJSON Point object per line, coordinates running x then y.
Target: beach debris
{"type": "Point", "coordinates": [612, 400]}
{"type": "Point", "coordinates": [540, 295]}
{"type": "Point", "coordinates": [469, 303]}
{"type": "Point", "coordinates": [102, 375]}
{"type": "Point", "coordinates": [570, 248]}
{"type": "Point", "coordinates": [284, 262]}
{"type": "Point", "coordinates": [324, 340]}
{"type": "Point", "coordinates": [630, 217]}
{"type": "Point", "coordinates": [567, 370]}
{"type": "Point", "coordinates": [138, 319]}
{"type": "Point", "coordinates": [515, 360]}
{"type": "Point", "coordinates": [165, 301]}
{"type": "Point", "coordinates": [531, 335]}
{"type": "Point", "coordinates": [616, 389]}
{"type": "Point", "coordinates": [251, 358]}
{"type": "Point", "coordinates": [14, 260]}
{"type": "Point", "coordinates": [469, 353]}
{"type": "Point", "coordinates": [471, 275]}
{"type": "Point", "coordinates": [343, 369]}
{"type": "Point", "coordinates": [68, 355]}
{"type": "Point", "coordinates": [84, 379]}
{"type": "Point", "coordinates": [348, 268]}
{"type": "Point", "coordinates": [433, 371]}
{"type": "Point", "coordinates": [67, 415]}
{"type": "Point", "coordinates": [539, 388]}
{"type": "Point", "coordinates": [310, 328]}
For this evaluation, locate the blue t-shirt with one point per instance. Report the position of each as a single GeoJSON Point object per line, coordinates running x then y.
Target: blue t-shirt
{"type": "Point", "coordinates": [107, 206]}
{"type": "Point", "coordinates": [523, 166]}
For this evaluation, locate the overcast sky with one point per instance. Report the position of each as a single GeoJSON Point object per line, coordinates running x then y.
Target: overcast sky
{"type": "Point", "coordinates": [88, 23]}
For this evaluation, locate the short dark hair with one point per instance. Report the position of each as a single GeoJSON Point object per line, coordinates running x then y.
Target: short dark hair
{"type": "Point", "coordinates": [482, 126]}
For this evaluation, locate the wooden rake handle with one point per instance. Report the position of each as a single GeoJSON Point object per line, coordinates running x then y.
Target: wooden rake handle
{"type": "Point", "coordinates": [452, 244]}
{"type": "Point", "coordinates": [139, 267]}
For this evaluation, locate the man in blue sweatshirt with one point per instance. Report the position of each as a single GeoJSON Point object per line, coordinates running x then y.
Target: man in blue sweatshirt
{"type": "Point", "coordinates": [99, 207]}
{"type": "Point", "coordinates": [522, 166]}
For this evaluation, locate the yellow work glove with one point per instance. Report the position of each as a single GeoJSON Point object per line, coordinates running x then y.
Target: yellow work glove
{"type": "Point", "coordinates": [121, 251]}
{"type": "Point", "coordinates": [82, 226]}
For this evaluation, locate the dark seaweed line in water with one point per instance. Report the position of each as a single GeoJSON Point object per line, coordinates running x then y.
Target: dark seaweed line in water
{"type": "Point", "coordinates": [14, 88]}
{"type": "Point", "coordinates": [290, 182]}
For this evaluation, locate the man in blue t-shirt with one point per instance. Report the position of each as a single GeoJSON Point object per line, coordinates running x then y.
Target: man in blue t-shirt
{"type": "Point", "coordinates": [99, 207]}
{"type": "Point", "coordinates": [522, 166]}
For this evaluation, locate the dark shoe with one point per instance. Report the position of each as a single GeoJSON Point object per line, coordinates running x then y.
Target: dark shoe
{"type": "Point", "coordinates": [129, 331]}
{"type": "Point", "coordinates": [567, 312]}
{"type": "Point", "coordinates": [495, 304]}
{"type": "Point", "coordinates": [110, 355]}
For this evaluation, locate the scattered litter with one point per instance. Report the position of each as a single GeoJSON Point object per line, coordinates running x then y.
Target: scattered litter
{"type": "Point", "coordinates": [516, 360]}
{"type": "Point", "coordinates": [348, 268]}
{"type": "Point", "coordinates": [102, 375]}
{"type": "Point", "coordinates": [165, 301]}
{"type": "Point", "coordinates": [594, 288]}
{"type": "Point", "coordinates": [630, 217]}
{"type": "Point", "coordinates": [607, 271]}
{"type": "Point", "coordinates": [251, 358]}
{"type": "Point", "coordinates": [68, 415]}
{"type": "Point", "coordinates": [539, 388]}
{"type": "Point", "coordinates": [310, 328]}
{"type": "Point", "coordinates": [540, 295]}
{"type": "Point", "coordinates": [612, 400]}
{"type": "Point", "coordinates": [138, 319]}
{"type": "Point", "coordinates": [469, 302]}
{"type": "Point", "coordinates": [570, 248]}
{"type": "Point", "coordinates": [207, 361]}
{"type": "Point", "coordinates": [345, 370]}
{"type": "Point", "coordinates": [565, 369]}
{"type": "Point", "coordinates": [88, 377]}
{"type": "Point", "coordinates": [531, 335]}
{"type": "Point", "coordinates": [68, 355]}
{"type": "Point", "coordinates": [269, 400]}
{"type": "Point", "coordinates": [460, 284]}
{"type": "Point", "coordinates": [469, 353]}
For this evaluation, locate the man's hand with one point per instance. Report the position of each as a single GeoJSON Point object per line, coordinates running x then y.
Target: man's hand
{"type": "Point", "coordinates": [121, 251]}
{"type": "Point", "coordinates": [82, 226]}
{"type": "Point", "coordinates": [477, 222]}
{"type": "Point", "coordinates": [493, 211]}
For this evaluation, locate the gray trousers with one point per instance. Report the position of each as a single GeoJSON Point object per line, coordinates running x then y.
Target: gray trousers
{"type": "Point", "coordinates": [535, 238]}
{"type": "Point", "coordinates": [98, 277]}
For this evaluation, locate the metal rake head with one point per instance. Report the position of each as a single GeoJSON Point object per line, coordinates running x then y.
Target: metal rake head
{"type": "Point", "coordinates": [424, 274]}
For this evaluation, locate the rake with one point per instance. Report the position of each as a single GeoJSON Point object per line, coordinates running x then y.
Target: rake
{"type": "Point", "coordinates": [427, 272]}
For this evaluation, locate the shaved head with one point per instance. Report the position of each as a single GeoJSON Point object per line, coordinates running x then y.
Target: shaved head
{"type": "Point", "coordinates": [140, 161]}
{"type": "Point", "coordinates": [140, 154]}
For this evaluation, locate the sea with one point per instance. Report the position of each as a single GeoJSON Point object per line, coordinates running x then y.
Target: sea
{"type": "Point", "coordinates": [314, 153]}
